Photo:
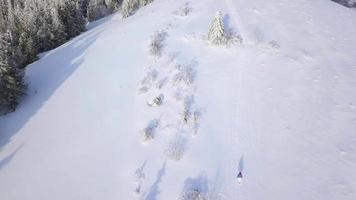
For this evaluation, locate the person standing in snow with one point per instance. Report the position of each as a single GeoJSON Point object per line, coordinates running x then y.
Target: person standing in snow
{"type": "Point", "coordinates": [239, 177]}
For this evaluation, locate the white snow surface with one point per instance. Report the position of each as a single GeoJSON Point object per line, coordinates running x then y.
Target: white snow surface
{"type": "Point", "coordinates": [280, 107]}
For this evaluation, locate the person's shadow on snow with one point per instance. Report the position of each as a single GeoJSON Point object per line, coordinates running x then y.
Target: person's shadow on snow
{"type": "Point", "coordinates": [241, 164]}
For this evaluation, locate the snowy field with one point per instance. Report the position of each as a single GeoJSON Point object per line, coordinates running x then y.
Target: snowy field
{"type": "Point", "coordinates": [104, 119]}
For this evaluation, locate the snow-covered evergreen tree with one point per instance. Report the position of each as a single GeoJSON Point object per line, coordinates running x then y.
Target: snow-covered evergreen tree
{"type": "Point", "coordinates": [3, 15]}
{"type": "Point", "coordinates": [145, 2]}
{"type": "Point", "coordinates": [72, 18]}
{"type": "Point", "coordinates": [41, 22]}
{"type": "Point", "coordinates": [112, 5]}
{"type": "Point", "coordinates": [28, 27]}
{"type": "Point", "coordinates": [216, 33]}
{"type": "Point", "coordinates": [97, 9]}
{"type": "Point", "coordinates": [12, 86]}
{"type": "Point", "coordinates": [129, 7]}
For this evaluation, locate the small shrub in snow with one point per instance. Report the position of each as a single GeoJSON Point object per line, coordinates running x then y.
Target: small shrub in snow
{"type": "Point", "coordinates": [150, 77]}
{"type": "Point", "coordinates": [216, 33]}
{"type": "Point", "coordinates": [140, 177]}
{"type": "Point", "coordinates": [274, 44]}
{"type": "Point", "coordinates": [176, 148]}
{"type": "Point", "coordinates": [156, 101]}
{"type": "Point", "coordinates": [196, 189]}
{"type": "Point", "coordinates": [147, 81]}
{"type": "Point", "coordinates": [143, 89]}
{"type": "Point", "coordinates": [194, 122]}
{"type": "Point", "coordinates": [187, 105]}
{"type": "Point", "coordinates": [190, 116]}
{"type": "Point", "coordinates": [157, 43]}
{"type": "Point", "coordinates": [232, 37]}
{"type": "Point", "coordinates": [149, 132]}
{"type": "Point", "coordinates": [185, 76]}
{"type": "Point", "coordinates": [194, 194]}
{"type": "Point", "coordinates": [160, 84]}
{"type": "Point", "coordinates": [183, 10]}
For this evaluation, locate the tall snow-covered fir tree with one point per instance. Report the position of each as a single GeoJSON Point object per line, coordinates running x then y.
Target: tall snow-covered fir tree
{"type": "Point", "coordinates": [97, 9]}
{"type": "Point", "coordinates": [112, 4]}
{"type": "Point", "coordinates": [216, 33]}
{"type": "Point", "coordinates": [40, 21]}
{"type": "Point", "coordinates": [71, 16]}
{"type": "Point", "coordinates": [129, 7]}
{"type": "Point", "coordinates": [12, 86]}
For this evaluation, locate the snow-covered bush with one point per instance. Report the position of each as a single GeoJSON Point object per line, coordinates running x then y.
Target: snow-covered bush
{"type": "Point", "coordinates": [129, 7]}
{"type": "Point", "coordinates": [176, 148]}
{"type": "Point", "coordinates": [232, 37]}
{"type": "Point", "coordinates": [150, 77]}
{"type": "Point", "coordinates": [148, 81]}
{"type": "Point", "coordinates": [273, 44]}
{"type": "Point", "coordinates": [187, 106]}
{"type": "Point", "coordinates": [194, 121]}
{"type": "Point", "coordinates": [157, 43]}
{"type": "Point", "coordinates": [161, 83]}
{"type": "Point", "coordinates": [196, 189]}
{"type": "Point", "coordinates": [194, 195]}
{"type": "Point", "coordinates": [145, 2]}
{"type": "Point", "coordinates": [185, 76]}
{"type": "Point", "coordinates": [190, 115]}
{"type": "Point", "coordinates": [149, 132]}
{"type": "Point", "coordinates": [216, 33]}
{"type": "Point", "coordinates": [139, 178]}
{"type": "Point", "coordinates": [183, 10]}
{"type": "Point", "coordinates": [156, 101]}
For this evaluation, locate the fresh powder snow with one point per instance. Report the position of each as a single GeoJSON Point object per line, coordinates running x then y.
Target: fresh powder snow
{"type": "Point", "coordinates": [146, 108]}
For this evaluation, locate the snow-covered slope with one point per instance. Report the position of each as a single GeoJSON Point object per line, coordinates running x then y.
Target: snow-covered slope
{"type": "Point", "coordinates": [281, 108]}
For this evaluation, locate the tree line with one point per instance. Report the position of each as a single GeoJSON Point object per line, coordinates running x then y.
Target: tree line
{"type": "Point", "coordinates": [28, 27]}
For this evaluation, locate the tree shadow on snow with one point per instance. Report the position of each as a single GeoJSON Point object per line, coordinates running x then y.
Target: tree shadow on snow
{"type": "Point", "coordinates": [196, 188]}
{"type": "Point", "coordinates": [47, 74]}
{"type": "Point", "coordinates": [7, 159]}
{"type": "Point", "coordinates": [154, 189]}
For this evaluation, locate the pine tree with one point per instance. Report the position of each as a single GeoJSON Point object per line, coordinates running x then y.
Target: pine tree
{"type": "Point", "coordinates": [38, 21]}
{"type": "Point", "coordinates": [72, 18]}
{"type": "Point", "coordinates": [97, 9]}
{"type": "Point", "coordinates": [112, 5]}
{"type": "Point", "coordinates": [3, 15]}
{"type": "Point", "coordinates": [12, 86]}
{"type": "Point", "coordinates": [216, 33]}
{"type": "Point", "coordinates": [145, 2]}
{"type": "Point", "coordinates": [129, 7]}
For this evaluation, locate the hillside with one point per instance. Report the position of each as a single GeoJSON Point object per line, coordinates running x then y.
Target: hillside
{"type": "Point", "coordinates": [280, 107]}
